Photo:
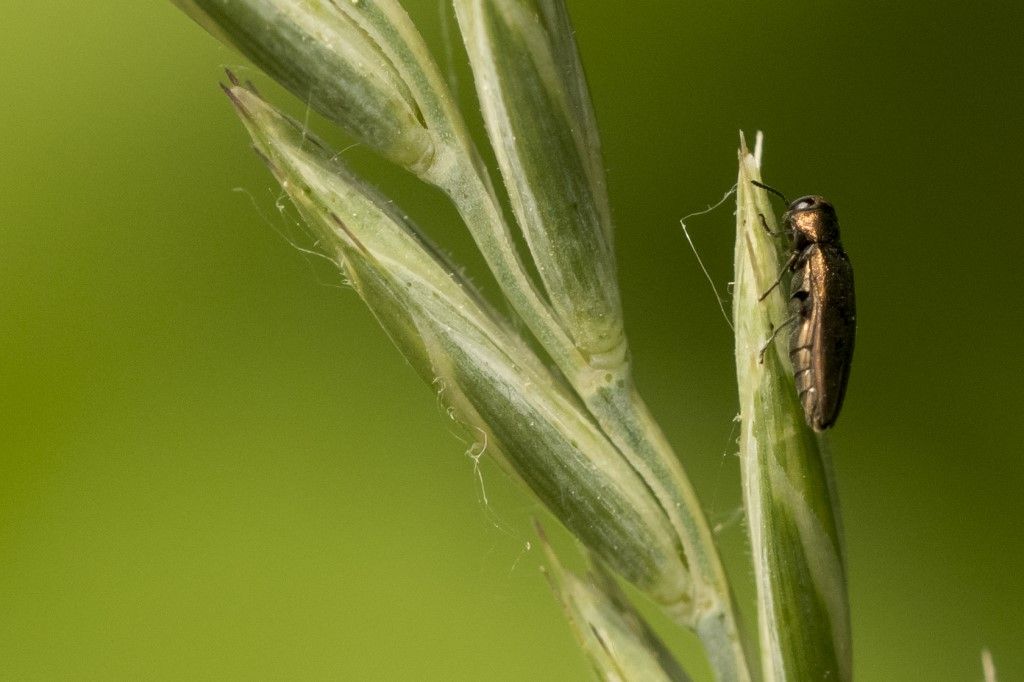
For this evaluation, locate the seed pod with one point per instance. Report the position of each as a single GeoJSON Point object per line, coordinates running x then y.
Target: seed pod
{"type": "Point", "coordinates": [331, 62]}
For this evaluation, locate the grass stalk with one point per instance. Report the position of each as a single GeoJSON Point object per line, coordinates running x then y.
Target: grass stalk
{"type": "Point", "coordinates": [791, 505]}
{"type": "Point", "coordinates": [579, 435]}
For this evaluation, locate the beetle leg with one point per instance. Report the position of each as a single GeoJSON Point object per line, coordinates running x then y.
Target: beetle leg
{"type": "Point", "coordinates": [775, 332]}
{"type": "Point", "coordinates": [778, 280]}
{"type": "Point", "coordinates": [764, 224]}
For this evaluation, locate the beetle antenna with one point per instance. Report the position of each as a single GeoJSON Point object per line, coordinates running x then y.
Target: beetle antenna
{"type": "Point", "coordinates": [772, 190]}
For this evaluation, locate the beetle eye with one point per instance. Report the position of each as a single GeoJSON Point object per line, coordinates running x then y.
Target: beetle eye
{"type": "Point", "coordinates": [802, 204]}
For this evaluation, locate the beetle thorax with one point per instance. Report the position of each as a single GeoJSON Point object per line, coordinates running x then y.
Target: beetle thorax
{"type": "Point", "coordinates": [815, 225]}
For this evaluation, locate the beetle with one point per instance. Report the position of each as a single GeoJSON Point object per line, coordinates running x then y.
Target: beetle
{"type": "Point", "coordinates": [822, 307]}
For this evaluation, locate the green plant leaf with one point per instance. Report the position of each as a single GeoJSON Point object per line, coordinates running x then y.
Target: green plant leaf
{"type": "Point", "coordinates": [329, 62]}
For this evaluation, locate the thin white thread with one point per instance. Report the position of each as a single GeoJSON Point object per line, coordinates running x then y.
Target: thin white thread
{"type": "Point", "coordinates": [290, 242]}
{"type": "Point", "coordinates": [272, 226]}
{"type": "Point", "coordinates": [337, 155]}
{"type": "Point", "coordinates": [441, 388]}
{"type": "Point", "coordinates": [716, 487]}
{"type": "Point", "coordinates": [527, 547]}
{"type": "Point", "coordinates": [475, 455]}
{"type": "Point", "coordinates": [686, 233]}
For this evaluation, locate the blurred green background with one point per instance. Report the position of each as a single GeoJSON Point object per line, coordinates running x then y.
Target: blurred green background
{"type": "Point", "coordinates": [213, 465]}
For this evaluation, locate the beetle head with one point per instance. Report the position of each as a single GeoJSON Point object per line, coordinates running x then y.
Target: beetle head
{"type": "Point", "coordinates": [813, 221]}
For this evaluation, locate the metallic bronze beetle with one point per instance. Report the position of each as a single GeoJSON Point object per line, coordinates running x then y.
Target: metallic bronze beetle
{"type": "Point", "coordinates": [822, 308]}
